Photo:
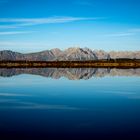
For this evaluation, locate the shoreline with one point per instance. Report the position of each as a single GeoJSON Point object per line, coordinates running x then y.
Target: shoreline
{"type": "Point", "coordinates": [72, 64]}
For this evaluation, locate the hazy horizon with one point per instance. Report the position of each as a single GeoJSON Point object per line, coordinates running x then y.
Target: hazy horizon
{"type": "Point", "coordinates": [37, 25]}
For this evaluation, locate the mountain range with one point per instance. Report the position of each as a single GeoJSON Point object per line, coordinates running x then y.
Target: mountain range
{"type": "Point", "coordinates": [70, 54]}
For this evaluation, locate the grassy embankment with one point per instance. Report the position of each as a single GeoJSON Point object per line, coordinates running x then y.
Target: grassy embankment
{"type": "Point", "coordinates": [118, 63]}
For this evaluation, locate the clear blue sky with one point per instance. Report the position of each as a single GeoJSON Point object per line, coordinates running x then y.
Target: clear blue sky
{"type": "Point", "coordinates": [36, 25]}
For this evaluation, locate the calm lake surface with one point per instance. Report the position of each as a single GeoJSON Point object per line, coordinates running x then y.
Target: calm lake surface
{"type": "Point", "coordinates": [66, 104]}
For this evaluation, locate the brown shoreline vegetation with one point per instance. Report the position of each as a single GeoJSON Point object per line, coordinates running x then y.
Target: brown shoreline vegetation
{"type": "Point", "coordinates": [114, 63]}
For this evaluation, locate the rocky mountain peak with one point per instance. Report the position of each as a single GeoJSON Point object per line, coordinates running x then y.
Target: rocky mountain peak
{"type": "Point", "coordinates": [70, 54]}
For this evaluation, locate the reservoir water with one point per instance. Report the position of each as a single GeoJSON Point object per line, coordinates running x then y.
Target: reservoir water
{"type": "Point", "coordinates": [57, 104]}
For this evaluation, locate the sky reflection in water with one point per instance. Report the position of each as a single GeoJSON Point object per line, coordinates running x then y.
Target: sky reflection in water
{"type": "Point", "coordinates": [100, 106]}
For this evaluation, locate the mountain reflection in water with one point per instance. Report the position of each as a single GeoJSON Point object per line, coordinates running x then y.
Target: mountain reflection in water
{"type": "Point", "coordinates": [39, 107]}
{"type": "Point", "coordinates": [70, 73]}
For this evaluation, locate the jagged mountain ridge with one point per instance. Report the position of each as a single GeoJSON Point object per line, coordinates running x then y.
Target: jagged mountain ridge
{"type": "Point", "coordinates": [70, 54]}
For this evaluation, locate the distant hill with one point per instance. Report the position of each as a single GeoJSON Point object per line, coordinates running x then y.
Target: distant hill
{"type": "Point", "coordinates": [70, 54]}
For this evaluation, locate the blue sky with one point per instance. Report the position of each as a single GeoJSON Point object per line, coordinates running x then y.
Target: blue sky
{"type": "Point", "coordinates": [36, 25]}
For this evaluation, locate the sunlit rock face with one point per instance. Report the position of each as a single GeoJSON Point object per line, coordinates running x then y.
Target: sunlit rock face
{"type": "Point", "coordinates": [70, 73]}
{"type": "Point", "coordinates": [70, 54]}
{"type": "Point", "coordinates": [77, 54]}
{"type": "Point", "coordinates": [102, 54]}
